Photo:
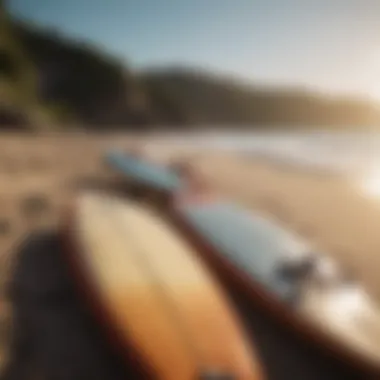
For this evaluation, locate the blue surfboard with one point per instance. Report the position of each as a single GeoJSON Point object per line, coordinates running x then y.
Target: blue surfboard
{"type": "Point", "coordinates": [306, 287]}
{"type": "Point", "coordinates": [144, 172]}
{"type": "Point", "coordinates": [248, 241]}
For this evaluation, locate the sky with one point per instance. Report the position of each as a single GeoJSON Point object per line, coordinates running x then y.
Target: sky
{"type": "Point", "coordinates": [332, 46]}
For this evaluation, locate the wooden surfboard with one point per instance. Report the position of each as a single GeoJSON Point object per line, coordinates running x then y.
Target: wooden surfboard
{"type": "Point", "coordinates": [151, 291]}
{"type": "Point", "coordinates": [298, 286]}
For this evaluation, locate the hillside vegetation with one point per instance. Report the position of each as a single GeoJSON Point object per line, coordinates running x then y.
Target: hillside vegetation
{"type": "Point", "coordinates": [47, 79]}
{"type": "Point", "coordinates": [18, 92]}
{"type": "Point", "coordinates": [202, 98]}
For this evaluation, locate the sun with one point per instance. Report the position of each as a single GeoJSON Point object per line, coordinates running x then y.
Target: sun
{"type": "Point", "coordinates": [371, 75]}
{"type": "Point", "coordinates": [371, 184]}
{"type": "Point", "coordinates": [374, 93]}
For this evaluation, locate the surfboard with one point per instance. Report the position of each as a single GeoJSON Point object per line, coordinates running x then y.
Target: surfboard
{"type": "Point", "coordinates": [157, 183]}
{"type": "Point", "coordinates": [144, 172]}
{"type": "Point", "coordinates": [300, 287]}
{"type": "Point", "coordinates": [153, 295]}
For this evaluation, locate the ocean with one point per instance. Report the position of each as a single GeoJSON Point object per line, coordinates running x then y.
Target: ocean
{"type": "Point", "coordinates": [353, 155]}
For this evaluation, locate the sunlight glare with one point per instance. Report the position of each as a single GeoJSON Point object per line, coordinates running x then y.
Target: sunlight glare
{"type": "Point", "coordinates": [371, 185]}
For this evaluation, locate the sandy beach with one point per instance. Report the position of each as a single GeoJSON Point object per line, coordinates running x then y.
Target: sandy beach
{"type": "Point", "coordinates": [330, 212]}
